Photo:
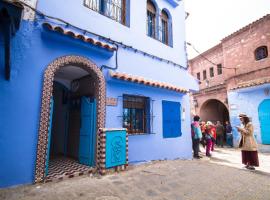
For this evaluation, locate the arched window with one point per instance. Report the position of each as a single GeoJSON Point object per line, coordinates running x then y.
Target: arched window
{"type": "Point", "coordinates": [261, 53]}
{"type": "Point", "coordinates": [151, 19]}
{"type": "Point", "coordinates": [164, 27]}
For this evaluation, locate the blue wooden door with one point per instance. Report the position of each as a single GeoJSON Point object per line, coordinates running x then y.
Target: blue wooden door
{"type": "Point", "coordinates": [171, 118]}
{"type": "Point", "coordinates": [264, 117]}
{"type": "Point", "coordinates": [49, 137]}
{"type": "Point", "coordinates": [87, 132]}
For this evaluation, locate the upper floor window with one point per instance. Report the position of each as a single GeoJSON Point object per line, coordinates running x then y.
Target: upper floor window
{"type": "Point", "coordinates": [164, 27]}
{"type": "Point", "coordinates": [204, 74]}
{"type": "Point", "coordinates": [151, 19]}
{"type": "Point", "coordinates": [159, 23]}
{"type": "Point", "coordinates": [261, 53]}
{"type": "Point", "coordinates": [114, 9]}
{"type": "Point", "coordinates": [198, 76]}
{"type": "Point", "coordinates": [219, 69]}
{"type": "Point", "coordinates": [211, 72]}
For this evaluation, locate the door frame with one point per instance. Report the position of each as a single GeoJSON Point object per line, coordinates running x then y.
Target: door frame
{"type": "Point", "coordinates": [100, 91]}
{"type": "Point", "coordinates": [262, 141]}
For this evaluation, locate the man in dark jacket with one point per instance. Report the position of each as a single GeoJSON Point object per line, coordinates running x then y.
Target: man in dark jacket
{"type": "Point", "coordinates": [220, 133]}
{"type": "Point", "coordinates": [229, 136]}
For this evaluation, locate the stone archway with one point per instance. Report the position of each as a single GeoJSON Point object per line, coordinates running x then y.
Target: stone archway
{"type": "Point", "coordinates": [214, 110]}
{"type": "Point", "coordinates": [49, 74]}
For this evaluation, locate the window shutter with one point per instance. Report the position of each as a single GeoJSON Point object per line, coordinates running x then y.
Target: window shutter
{"type": "Point", "coordinates": [171, 118]}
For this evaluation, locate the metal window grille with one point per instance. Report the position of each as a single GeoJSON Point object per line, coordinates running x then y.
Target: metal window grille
{"type": "Point", "coordinates": [114, 9]}
{"type": "Point", "coordinates": [151, 24]}
{"type": "Point", "coordinates": [261, 53]}
{"type": "Point", "coordinates": [163, 32]}
{"type": "Point", "coordinates": [137, 114]}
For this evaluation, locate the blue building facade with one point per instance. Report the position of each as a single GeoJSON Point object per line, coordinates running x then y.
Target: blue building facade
{"type": "Point", "coordinates": [242, 100]}
{"type": "Point", "coordinates": [126, 59]}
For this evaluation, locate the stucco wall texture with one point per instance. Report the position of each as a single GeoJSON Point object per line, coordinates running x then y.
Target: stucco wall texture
{"type": "Point", "coordinates": [33, 48]}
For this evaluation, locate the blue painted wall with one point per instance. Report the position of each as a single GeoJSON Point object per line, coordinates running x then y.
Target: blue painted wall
{"type": "Point", "coordinates": [135, 35]}
{"type": "Point", "coordinates": [247, 101]}
{"type": "Point", "coordinates": [33, 49]}
{"type": "Point", "coordinates": [151, 146]}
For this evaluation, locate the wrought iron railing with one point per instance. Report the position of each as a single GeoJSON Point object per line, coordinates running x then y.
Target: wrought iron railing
{"type": "Point", "coordinates": [114, 9]}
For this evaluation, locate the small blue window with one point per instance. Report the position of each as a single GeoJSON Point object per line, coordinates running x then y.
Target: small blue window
{"type": "Point", "coordinates": [171, 119]}
{"type": "Point", "coordinates": [136, 114]}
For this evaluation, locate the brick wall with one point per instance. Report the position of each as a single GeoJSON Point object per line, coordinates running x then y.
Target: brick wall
{"type": "Point", "coordinates": [237, 51]}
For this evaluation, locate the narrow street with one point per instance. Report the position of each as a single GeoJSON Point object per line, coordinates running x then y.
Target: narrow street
{"type": "Point", "coordinates": [221, 177]}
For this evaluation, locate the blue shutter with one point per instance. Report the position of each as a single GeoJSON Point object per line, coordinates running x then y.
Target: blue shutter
{"type": "Point", "coordinates": [171, 118]}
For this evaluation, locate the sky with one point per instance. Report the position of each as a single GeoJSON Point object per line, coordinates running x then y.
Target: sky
{"type": "Point", "coordinates": [212, 20]}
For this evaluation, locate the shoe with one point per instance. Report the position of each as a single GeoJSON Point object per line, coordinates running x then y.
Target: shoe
{"type": "Point", "coordinates": [251, 168]}
{"type": "Point", "coordinates": [208, 155]}
{"type": "Point", "coordinates": [196, 157]}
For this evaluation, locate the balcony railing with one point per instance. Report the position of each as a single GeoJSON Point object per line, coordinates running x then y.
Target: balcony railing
{"type": "Point", "coordinates": [114, 9]}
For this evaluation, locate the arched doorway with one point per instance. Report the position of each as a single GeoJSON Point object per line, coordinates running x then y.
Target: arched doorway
{"type": "Point", "coordinates": [72, 84]}
{"type": "Point", "coordinates": [214, 110]}
{"type": "Point", "coordinates": [264, 118]}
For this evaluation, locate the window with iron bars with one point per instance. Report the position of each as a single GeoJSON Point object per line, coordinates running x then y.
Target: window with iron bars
{"type": "Point", "coordinates": [114, 9]}
{"type": "Point", "coordinates": [137, 117]}
{"type": "Point", "coordinates": [151, 24]}
{"type": "Point", "coordinates": [261, 53]}
{"type": "Point", "coordinates": [164, 28]}
{"type": "Point", "coordinates": [163, 32]}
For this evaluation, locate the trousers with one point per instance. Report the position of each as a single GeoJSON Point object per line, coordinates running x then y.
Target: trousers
{"type": "Point", "coordinates": [195, 146]}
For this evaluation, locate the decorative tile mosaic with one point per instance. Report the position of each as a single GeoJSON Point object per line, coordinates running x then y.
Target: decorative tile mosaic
{"type": "Point", "coordinates": [85, 64]}
{"type": "Point", "coordinates": [63, 168]}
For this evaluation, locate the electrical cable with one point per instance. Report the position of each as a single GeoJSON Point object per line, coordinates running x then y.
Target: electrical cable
{"type": "Point", "coordinates": [204, 57]}
{"type": "Point", "coordinates": [102, 37]}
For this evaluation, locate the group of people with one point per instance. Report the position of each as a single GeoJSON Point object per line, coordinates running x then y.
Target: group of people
{"type": "Point", "coordinates": [209, 134]}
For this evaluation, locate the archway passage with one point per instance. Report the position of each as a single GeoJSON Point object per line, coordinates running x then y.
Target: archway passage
{"type": "Point", "coordinates": [73, 109]}
{"type": "Point", "coordinates": [264, 118]}
{"type": "Point", "coordinates": [213, 110]}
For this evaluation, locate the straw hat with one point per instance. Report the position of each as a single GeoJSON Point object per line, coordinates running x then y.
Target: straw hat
{"type": "Point", "coordinates": [242, 115]}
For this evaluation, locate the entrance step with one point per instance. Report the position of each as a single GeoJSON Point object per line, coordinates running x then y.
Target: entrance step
{"type": "Point", "coordinates": [62, 168]}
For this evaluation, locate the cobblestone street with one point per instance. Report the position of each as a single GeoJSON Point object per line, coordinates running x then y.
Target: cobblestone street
{"type": "Point", "coordinates": [221, 177]}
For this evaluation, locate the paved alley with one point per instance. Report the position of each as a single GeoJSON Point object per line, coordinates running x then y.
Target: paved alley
{"type": "Point", "coordinates": [219, 178]}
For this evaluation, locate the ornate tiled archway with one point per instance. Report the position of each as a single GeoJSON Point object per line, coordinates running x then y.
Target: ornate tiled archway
{"type": "Point", "coordinates": [49, 74]}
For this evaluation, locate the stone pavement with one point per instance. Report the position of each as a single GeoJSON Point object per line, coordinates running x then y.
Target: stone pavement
{"type": "Point", "coordinates": [219, 178]}
{"type": "Point", "coordinates": [232, 157]}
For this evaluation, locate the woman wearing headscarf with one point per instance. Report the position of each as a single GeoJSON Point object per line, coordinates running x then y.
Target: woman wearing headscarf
{"type": "Point", "coordinates": [209, 135]}
{"type": "Point", "coordinates": [248, 143]}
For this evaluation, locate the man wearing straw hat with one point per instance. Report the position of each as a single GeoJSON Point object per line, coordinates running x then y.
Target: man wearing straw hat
{"type": "Point", "coordinates": [248, 143]}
